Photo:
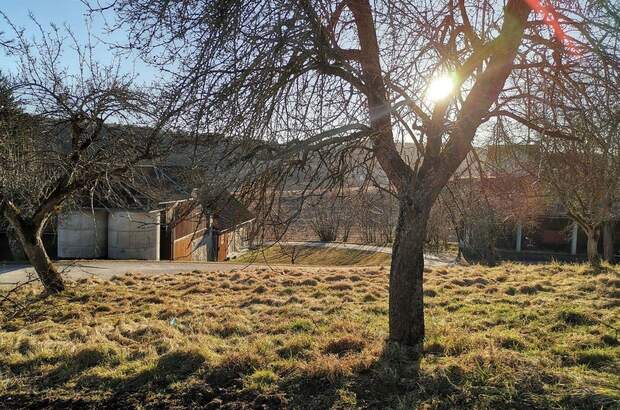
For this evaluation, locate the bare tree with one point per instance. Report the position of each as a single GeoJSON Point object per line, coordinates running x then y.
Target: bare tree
{"type": "Point", "coordinates": [74, 131]}
{"type": "Point", "coordinates": [487, 198]}
{"type": "Point", "coordinates": [377, 215]}
{"type": "Point", "coordinates": [312, 79]}
{"type": "Point", "coordinates": [325, 218]}
{"type": "Point", "coordinates": [576, 99]}
{"type": "Point", "coordinates": [585, 176]}
{"type": "Point", "coordinates": [348, 216]}
{"type": "Point", "coordinates": [292, 251]}
{"type": "Point", "coordinates": [584, 173]}
{"type": "Point", "coordinates": [480, 222]}
{"type": "Point", "coordinates": [440, 228]}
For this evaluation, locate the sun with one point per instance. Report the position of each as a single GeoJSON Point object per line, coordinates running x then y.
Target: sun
{"type": "Point", "coordinates": [440, 88]}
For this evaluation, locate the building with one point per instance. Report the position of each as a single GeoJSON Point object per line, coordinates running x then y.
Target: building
{"type": "Point", "coordinates": [534, 225]}
{"type": "Point", "coordinates": [159, 220]}
{"type": "Point", "coordinates": [164, 233]}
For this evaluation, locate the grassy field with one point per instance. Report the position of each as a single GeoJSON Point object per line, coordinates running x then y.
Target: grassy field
{"type": "Point", "coordinates": [313, 256]}
{"type": "Point", "coordinates": [513, 336]}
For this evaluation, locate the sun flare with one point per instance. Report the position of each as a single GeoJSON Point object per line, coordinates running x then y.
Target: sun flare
{"type": "Point", "coordinates": [440, 88]}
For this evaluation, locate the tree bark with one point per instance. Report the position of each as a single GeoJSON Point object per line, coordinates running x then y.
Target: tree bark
{"type": "Point", "coordinates": [593, 256]}
{"type": "Point", "coordinates": [29, 235]}
{"type": "Point", "coordinates": [608, 242]}
{"type": "Point", "coordinates": [17, 251]}
{"type": "Point", "coordinates": [406, 276]}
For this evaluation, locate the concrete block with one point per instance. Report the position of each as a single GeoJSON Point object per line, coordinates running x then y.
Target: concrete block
{"type": "Point", "coordinates": [123, 240]}
{"type": "Point", "coordinates": [82, 234]}
{"type": "Point", "coordinates": [133, 235]}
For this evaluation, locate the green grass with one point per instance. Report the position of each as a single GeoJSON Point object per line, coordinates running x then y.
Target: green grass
{"type": "Point", "coordinates": [512, 336]}
{"type": "Point", "coordinates": [313, 256]}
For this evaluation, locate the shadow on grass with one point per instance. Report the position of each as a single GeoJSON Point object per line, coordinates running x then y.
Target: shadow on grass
{"type": "Point", "coordinates": [598, 270]}
{"type": "Point", "coordinates": [170, 368]}
{"type": "Point", "coordinates": [83, 360]}
{"type": "Point", "coordinates": [394, 380]}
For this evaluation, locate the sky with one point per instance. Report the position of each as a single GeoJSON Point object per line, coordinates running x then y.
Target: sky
{"type": "Point", "coordinates": [71, 13]}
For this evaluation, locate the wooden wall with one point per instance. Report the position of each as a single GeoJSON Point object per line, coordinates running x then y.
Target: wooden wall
{"type": "Point", "coordinates": [184, 235]}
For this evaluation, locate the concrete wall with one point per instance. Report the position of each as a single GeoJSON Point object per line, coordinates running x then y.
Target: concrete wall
{"type": "Point", "coordinates": [83, 234]}
{"type": "Point", "coordinates": [238, 241]}
{"type": "Point", "coordinates": [133, 235]}
{"type": "Point", "coordinates": [200, 248]}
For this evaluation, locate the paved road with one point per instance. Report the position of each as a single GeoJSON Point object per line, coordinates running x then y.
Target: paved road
{"type": "Point", "coordinates": [429, 260]}
{"type": "Point", "coordinates": [11, 273]}
{"type": "Point", "coordinates": [340, 245]}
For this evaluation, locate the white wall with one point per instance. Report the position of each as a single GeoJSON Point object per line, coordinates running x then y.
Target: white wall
{"type": "Point", "coordinates": [133, 235]}
{"type": "Point", "coordinates": [83, 234]}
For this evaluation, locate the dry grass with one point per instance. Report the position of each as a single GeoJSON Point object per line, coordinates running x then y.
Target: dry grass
{"type": "Point", "coordinates": [314, 256]}
{"type": "Point", "coordinates": [513, 336]}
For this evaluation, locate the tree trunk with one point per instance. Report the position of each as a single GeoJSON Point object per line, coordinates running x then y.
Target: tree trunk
{"type": "Point", "coordinates": [37, 256]}
{"type": "Point", "coordinates": [17, 251]}
{"type": "Point", "coordinates": [405, 293]}
{"type": "Point", "coordinates": [490, 257]}
{"type": "Point", "coordinates": [608, 242]}
{"type": "Point", "coordinates": [29, 236]}
{"type": "Point", "coordinates": [593, 256]}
